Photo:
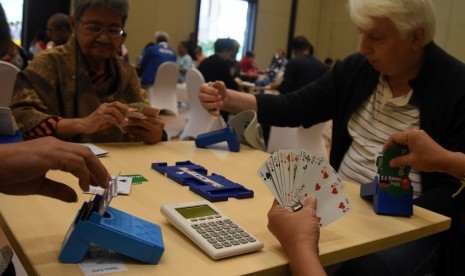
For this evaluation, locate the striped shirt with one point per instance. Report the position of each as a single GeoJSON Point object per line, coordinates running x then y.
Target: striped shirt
{"type": "Point", "coordinates": [370, 126]}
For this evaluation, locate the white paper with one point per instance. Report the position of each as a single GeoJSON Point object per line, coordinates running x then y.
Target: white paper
{"type": "Point", "coordinates": [102, 261]}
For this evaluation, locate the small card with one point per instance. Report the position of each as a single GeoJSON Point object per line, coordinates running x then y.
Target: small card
{"type": "Point", "coordinates": [99, 152]}
{"type": "Point", "coordinates": [123, 186]}
{"type": "Point", "coordinates": [382, 162]}
{"type": "Point", "coordinates": [139, 107]}
{"type": "Point", "coordinates": [136, 178]}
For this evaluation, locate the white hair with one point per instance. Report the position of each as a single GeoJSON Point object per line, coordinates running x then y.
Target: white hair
{"type": "Point", "coordinates": [407, 15]}
{"type": "Point", "coordinates": [161, 36]}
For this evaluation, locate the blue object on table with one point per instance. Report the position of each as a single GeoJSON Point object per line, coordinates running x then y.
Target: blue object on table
{"type": "Point", "coordinates": [18, 137]}
{"type": "Point", "coordinates": [115, 230]}
{"type": "Point", "coordinates": [213, 188]}
{"type": "Point", "coordinates": [390, 195]}
{"type": "Point", "coordinates": [226, 134]}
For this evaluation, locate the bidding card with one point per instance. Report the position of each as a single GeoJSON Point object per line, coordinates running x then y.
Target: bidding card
{"type": "Point", "coordinates": [294, 175]}
{"type": "Point", "coordinates": [382, 162]}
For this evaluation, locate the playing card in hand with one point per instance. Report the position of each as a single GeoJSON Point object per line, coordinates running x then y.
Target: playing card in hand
{"type": "Point", "coordinates": [294, 175]}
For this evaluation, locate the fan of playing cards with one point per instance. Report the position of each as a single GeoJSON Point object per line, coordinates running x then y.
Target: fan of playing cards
{"type": "Point", "coordinates": [294, 175]}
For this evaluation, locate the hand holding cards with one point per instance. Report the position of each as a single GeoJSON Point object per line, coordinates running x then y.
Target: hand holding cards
{"type": "Point", "coordinates": [294, 175]}
{"type": "Point", "coordinates": [140, 111]}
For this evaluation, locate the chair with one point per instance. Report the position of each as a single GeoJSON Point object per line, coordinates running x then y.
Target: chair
{"type": "Point", "coordinates": [162, 94]}
{"type": "Point", "coordinates": [8, 74]}
{"type": "Point", "coordinates": [199, 120]}
{"type": "Point", "coordinates": [309, 139]}
{"type": "Point", "coordinates": [181, 93]}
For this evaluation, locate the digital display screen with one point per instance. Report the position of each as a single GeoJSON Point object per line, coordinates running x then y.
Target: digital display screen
{"type": "Point", "coordinates": [196, 211]}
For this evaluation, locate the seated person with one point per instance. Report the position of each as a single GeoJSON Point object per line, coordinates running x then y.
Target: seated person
{"type": "Point", "coordinates": [80, 91]}
{"type": "Point", "coordinates": [400, 80]}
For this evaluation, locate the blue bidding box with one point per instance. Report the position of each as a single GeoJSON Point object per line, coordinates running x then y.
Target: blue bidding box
{"type": "Point", "coordinates": [212, 187]}
{"type": "Point", "coordinates": [390, 195]}
{"type": "Point", "coordinates": [114, 230]}
{"type": "Point", "coordinates": [227, 134]}
{"type": "Point", "coordinates": [5, 139]}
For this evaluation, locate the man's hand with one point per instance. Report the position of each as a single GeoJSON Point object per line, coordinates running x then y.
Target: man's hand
{"type": "Point", "coordinates": [212, 95]}
{"type": "Point", "coordinates": [24, 166]}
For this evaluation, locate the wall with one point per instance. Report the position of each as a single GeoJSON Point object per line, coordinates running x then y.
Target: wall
{"type": "Point", "coordinates": [176, 17]}
{"type": "Point", "coordinates": [450, 26]}
{"type": "Point", "coordinates": [272, 29]}
{"type": "Point", "coordinates": [325, 22]}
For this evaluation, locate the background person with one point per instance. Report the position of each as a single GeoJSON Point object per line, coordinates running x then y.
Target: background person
{"type": "Point", "coordinates": [153, 57]}
{"type": "Point", "coordinates": [302, 69]}
{"type": "Point", "coordinates": [183, 60]}
{"type": "Point", "coordinates": [58, 29]}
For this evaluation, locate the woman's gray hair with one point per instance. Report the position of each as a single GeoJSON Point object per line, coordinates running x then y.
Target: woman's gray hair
{"type": "Point", "coordinates": [407, 15]}
{"type": "Point", "coordinates": [121, 7]}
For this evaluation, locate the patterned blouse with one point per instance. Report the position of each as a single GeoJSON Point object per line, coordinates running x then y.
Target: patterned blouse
{"type": "Point", "coordinates": [57, 84]}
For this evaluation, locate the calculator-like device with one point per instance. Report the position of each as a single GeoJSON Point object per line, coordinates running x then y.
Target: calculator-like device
{"type": "Point", "coordinates": [209, 228]}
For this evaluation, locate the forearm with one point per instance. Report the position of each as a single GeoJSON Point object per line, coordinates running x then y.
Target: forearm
{"type": "Point", "coordinates": [236, 102]}
{"type": "Point", "coordinates": [304, 261]}
{"type": "Point", "coordinates": [452, 163]}
{"type": "Point", "coordinates": [67, 128]}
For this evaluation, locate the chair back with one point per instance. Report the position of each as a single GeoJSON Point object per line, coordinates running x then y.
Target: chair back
{"type": "Point", "coordinates": [199, 120]}
{"type": "Point", "coordinates": [162, 94]}
{"type": "Point", "coordinates": [288, 138]}
{"type": "Point", "coordinates": [8, 74]}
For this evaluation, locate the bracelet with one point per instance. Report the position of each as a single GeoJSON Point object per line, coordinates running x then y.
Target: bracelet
{"type": "Point", "coordinates": [462, 181]}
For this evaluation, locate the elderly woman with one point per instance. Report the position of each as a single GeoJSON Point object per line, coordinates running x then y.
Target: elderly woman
{"type": "Point", "coordinates": [80, 91]}
{"type": "Point", "coordinates": [400, 80]}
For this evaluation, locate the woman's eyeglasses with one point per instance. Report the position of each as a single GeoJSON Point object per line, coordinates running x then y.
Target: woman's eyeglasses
{"type": "Point", "coordinates": [97, 29]}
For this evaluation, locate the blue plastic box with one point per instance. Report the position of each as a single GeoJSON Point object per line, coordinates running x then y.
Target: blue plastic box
{"type": "Point", "coordinates": [115, 230]}
{"type": "Point", "coordinates": [390, 195]}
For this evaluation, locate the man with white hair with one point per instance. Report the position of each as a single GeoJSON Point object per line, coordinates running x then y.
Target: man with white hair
{"type": "Point", "coordinates": [153, 57]}
{"type": "Point", "coordinates": [400, 80]}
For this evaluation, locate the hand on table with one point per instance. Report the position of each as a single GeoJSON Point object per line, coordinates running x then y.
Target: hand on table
{"type": "Point", "coordinates": [24, 166]}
